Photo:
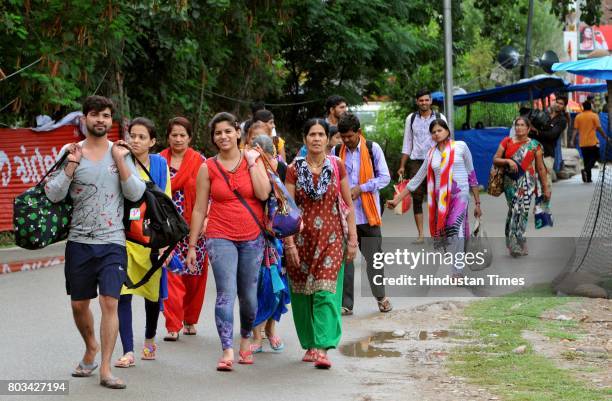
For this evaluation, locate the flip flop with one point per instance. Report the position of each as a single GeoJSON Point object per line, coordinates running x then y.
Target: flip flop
{"type": "Point", "coordinates": [310, 356]}
{"type": "Point", "coordinates": [190, 330]}
{"type": "Point", "coordinates": [322, 362]}
{"type": "Point", "coordinates": [113, 383]}
{"type": "Point", "coordinates": [171, 337]}
{"type": "Point", "coordinates": [276, 343]}
{"type": "Point", "coordinates": [256, 349]}
{"type": "Point", "coordinates": [84, 370]}
{"type": "Point", "coordinates": [346, 311]}
{"type": "Point", "coordinates": [126, 361]}
{"type": "Point", "coordinates": [246, 358]}
{"type": "Point", "coordinates": [148, 352]}
{"type": "Point", "coordinates": [225, 365]}
{"type": "Point", "coordinates": [384, 305]}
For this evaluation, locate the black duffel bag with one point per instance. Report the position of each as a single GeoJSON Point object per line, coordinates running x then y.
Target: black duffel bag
{"type": "Point", "coordinates": [38, 222]}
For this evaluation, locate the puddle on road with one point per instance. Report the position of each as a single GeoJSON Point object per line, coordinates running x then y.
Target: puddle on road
{"type": "Point", "coordinates": [369, 347]}
{"type": "Point", "coordinates": [426, 335]}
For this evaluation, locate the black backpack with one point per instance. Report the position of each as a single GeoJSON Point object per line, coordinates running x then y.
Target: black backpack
{"type": "Point", "coordinates": [369, 145]}
{"type": "Point", "coordinates": [153, 222]}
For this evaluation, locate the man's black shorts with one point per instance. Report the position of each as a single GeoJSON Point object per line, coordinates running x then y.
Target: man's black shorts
{"type": "Point", "coordinates": [91, 265]}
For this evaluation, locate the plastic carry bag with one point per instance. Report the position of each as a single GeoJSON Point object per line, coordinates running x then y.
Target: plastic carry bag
{"type": "Point", "coordinates": [479, 246]}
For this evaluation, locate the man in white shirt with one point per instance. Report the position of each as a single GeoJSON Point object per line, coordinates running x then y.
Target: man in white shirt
{"type": "Point", "coordinates": [417, 143]}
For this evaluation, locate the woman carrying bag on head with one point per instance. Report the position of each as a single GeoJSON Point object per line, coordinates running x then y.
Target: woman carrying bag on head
{"type": "Point", "coordinates": [315, 256]}
{"type": "Point", "coordinates": [450, 179]}
{"type": "Point", "coordinates": [236, 182]}
{"type": "Point", "coordinates": [186, 287]}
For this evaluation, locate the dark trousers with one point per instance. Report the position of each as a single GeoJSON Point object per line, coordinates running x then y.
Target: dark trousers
{"type": "Point", "coordinates": [125, 321]}
{"type": "Point", "coordinates": [372, 245]}
{"type": "Point", "coordinates": [590, 154]}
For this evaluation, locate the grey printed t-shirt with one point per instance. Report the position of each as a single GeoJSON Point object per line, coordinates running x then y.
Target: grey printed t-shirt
{"type": "Point", "coordinates": [97, 195]}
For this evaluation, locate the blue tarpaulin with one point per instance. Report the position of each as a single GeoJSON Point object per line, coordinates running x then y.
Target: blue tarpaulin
{"type": "Point", "coordinates": [519, 92]}
{"type": "Point", "coordinates": [482, 143]}
{"type": "Point", "coordinates": [533, 88]}
{"type": "Point", "coordinates": [593, 88]}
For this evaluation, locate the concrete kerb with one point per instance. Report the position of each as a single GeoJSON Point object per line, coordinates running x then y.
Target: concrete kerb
{"type": "Point", "coordinates": [17, 259]}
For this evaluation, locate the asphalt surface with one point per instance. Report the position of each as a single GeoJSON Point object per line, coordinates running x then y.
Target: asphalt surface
{"type": "Point", "coordinates": [39, 339]}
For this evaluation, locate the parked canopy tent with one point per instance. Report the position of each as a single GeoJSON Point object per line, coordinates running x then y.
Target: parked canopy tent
{"type": "Point", "coordinates": [524, 90]}
{"type": "Point", "coordinates": [519, 92]}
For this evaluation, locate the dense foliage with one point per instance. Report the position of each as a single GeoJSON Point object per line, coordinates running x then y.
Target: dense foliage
{"type": "Point", "coordinates": [160, 58]}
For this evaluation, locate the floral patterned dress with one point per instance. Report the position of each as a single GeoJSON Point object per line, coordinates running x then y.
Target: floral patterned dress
{"type": "Point", "coordinates": [320, 245]}
{"type": "Point", "coordinates": [178, 197]}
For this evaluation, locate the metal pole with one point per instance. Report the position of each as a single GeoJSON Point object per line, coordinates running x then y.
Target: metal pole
{"type": "Point", "coordinates": [448, 66]}
{"type": "Point", "coordinates": [525, 73]}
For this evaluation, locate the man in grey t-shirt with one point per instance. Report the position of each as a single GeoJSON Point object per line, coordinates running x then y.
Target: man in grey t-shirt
{"type": "Point", "coordinates": [97, 174]}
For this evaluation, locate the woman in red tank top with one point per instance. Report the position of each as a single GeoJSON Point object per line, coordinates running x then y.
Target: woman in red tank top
{"type": "Point", "coordinates": [236, 183]}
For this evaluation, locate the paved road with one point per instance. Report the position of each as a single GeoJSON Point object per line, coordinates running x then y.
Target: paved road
{"type": "Point", "coordinates": [39, 340]}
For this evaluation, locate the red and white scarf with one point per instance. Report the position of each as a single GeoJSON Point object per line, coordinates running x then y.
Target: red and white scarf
{"type": "Point", "coordinates": [438, 207]}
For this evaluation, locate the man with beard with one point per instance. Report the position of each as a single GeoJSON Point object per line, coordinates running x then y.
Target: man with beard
{"type": "Point", "coordinates": [97, 174]}
{"type": "Point", "coordinates": [417, 143]}
{"type": "Point", "coordinates": [335, 106]}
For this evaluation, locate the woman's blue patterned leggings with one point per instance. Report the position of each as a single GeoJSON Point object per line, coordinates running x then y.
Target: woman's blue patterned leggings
{"type": "Point", "coordinates": [235, 265]}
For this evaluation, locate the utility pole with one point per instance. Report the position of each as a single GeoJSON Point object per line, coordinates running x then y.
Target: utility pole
{"type": "Point", "coordinates": [525, 71]}
{"type": "Point", "coordinates": [448, 66]}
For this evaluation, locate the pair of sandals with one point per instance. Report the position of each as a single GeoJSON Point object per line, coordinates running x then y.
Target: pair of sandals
{"type": "Point", "coordinates": [227, 365]}
{"type": "Point", "coordinates": [86, 370]}
{"type": "Point", "coordinates": [321, 361]}
{"type": "Point", "coordinates": [149, 353]}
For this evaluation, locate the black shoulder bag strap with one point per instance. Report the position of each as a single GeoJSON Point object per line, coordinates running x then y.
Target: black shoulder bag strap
{"type": "Point", "coordinates": [240, 198]}
{"type": "Point", "coordinates": [155, 264]}
{"type": "Point", "coordinates": [57, 165]}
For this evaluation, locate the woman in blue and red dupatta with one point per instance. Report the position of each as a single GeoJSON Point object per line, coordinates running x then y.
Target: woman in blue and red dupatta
{"type": "Point", "coordinates": [450, 179]}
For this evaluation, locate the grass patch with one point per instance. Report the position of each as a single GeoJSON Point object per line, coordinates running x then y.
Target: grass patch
{"type": "Point", "coordinates": [7, 239]}
{"type": "Point", "coordinates": [561, 335]}
{"type": "Point", "coordinates": [498, 324]}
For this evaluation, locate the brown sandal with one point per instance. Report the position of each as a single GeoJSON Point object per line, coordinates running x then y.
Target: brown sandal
{"type": "Point", "coordinates": [384, 305]}
{"type": "Point", "coordinates": [112, 382]}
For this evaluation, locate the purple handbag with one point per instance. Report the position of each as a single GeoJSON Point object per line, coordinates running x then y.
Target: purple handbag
{"type": "Point", "coordinates": [284, 217]}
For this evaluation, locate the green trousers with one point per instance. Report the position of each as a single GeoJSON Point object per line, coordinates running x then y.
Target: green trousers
{"type": "Point", "coordinates": [318, 317]}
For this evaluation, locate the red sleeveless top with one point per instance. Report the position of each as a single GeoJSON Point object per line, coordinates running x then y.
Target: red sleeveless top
{"type": "Point", "coordinates": [228, 217]}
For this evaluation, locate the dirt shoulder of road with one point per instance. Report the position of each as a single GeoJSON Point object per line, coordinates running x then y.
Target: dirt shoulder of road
{"type": "Point", "coordinates": [418, 353]}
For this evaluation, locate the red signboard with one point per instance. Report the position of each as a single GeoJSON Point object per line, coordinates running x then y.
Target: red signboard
{"type": "Point", "coordinates": [25, 156]}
